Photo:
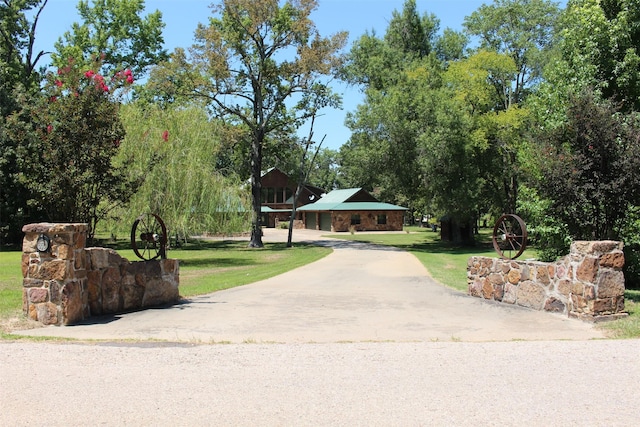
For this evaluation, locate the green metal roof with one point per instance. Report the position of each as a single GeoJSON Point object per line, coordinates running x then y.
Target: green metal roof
{"type": "Point", "coordinates": [338, 196]}
{"type": "Point", "coordinates": [338, 200]}
{"type": "Point", "coordinates": [354, 206]}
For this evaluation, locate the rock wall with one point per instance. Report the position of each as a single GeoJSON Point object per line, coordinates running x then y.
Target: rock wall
{"type": "Point", "coordinates": [587, 284]}
{"type": "Point", "coordinates": [341, 221]}
{"type": "Point", "coordinates": [69, 283]}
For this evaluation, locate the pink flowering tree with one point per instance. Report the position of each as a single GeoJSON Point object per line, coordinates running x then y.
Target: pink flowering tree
{"type": "Point", "coordinates": [76, 132]}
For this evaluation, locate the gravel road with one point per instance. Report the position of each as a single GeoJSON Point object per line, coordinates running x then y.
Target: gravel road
{"type": "Point", "coordinates": [540, 383]}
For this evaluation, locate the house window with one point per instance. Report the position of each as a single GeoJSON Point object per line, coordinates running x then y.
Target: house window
{"type": "Point", "coordinates": [270, 194]}
{"type": "Point", "coordinates": [382, 219]}
{"type": "Point", "coordinates": [355, 219]}
{"type": "Point", "coordinates": [279, 195]}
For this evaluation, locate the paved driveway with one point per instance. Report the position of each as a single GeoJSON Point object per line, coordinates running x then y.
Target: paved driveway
{"type": "Point", "coordinates": [359, 293]}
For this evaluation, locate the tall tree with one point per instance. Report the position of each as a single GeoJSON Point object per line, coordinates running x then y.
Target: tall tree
{"type": "Point", "coordinates": [376, 63]}
{"type": "Point", "coordinates": [498, 128]}
{"type": "Point", "coordinates": [411, 34]}
{"type": "Point", "coordinates": [450, 162]}
{"type": "Point", "coordinates": [19, 77]}
{"type": "Point", "coordinates": [522, 29]}
{"type": "Point", "coordinates": [264, 66]}
{"type": "Point", "coordinates": [115, 32]}
{"type": "Point", "coordinates": [393, 71]}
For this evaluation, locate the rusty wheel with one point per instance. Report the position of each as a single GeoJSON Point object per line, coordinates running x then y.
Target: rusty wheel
{"type": "Point", "coordinates": [149, 237]}
{"type": "Point", "coordinates": [510, 236]}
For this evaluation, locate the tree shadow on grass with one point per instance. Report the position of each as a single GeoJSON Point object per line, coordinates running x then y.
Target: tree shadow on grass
{"type": "Point", "coordinates": [217, 262]}
{"type": "Point", "coordinates": [203, 245]}
{"type": "Point", "coordinates": [254, 257]}
{"type": "Point", "coordinates": [632, 295]}
{"type": "Point", "coordinates": [479, 248]}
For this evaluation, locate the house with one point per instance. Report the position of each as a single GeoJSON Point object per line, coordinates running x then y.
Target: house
{"type": "Point", "coordinates": [341, 210]}
{"type": "Point", "coordinates": [277, 195]}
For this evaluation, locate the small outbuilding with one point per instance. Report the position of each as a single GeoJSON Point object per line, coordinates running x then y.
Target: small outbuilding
{"type": "Point", "coordinates": [352, 209]}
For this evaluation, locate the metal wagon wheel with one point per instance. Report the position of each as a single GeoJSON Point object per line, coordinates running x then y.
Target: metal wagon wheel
{"type": "Point", "coordinates": [510, 236]}
{"type": "Point", "coordinates": [149, 237]}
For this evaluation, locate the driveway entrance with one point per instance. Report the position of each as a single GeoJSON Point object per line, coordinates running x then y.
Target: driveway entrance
{"type": "Point", "coordinates": [358, 293]}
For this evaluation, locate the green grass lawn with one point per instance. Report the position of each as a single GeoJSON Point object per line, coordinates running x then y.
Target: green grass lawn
{"type": "Point", "coordinates": [10, 284]}
{"type": "Point", "coordinates": [630, 326]}
{"type": "Point", "coordinates": [212, 266]}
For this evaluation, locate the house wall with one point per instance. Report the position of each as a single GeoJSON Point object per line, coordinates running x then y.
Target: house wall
{"type": "Point", "coordinates": [277, 188]}
{"type": "Point", "coordinates": [341, 221]}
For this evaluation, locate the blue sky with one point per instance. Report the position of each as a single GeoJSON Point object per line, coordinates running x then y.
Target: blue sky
{"type": "Point", "coordinates": [355, 16]}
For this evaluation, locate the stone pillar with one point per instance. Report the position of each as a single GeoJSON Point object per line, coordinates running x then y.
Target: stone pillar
{"type": "Point", "coordinates": [54, 281]}
{"type": "Point", "coordinates": [597, 268]}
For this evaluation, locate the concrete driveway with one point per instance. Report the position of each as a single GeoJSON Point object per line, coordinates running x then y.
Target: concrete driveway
{"type": "Point", "coordinates": [359, 293]}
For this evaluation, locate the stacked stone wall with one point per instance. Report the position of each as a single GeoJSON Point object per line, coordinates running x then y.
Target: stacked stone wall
{"type": "Point", "coordinates": [69, 282]}
{"type": "Point", "coordinates": [341, 221]}
{"type": "Point", "coordinates": [587, 284]}
{"type": "Point", "coordinates": [117, 285]}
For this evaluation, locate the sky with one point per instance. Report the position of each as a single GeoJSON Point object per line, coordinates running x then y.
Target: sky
{"type": "Point", "coordinates": [355, 16]}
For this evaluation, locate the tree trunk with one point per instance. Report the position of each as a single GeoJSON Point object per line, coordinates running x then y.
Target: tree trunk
{"type": "Point", "coordinates": [256, 190]}
{"type": "Point", "coordinates": [293, 215]}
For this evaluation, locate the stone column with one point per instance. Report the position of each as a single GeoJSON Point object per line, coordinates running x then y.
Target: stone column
{"type": "Point", "coordinates": [597, 268]}
{"type": "Point", "coordinates": [55, 280]}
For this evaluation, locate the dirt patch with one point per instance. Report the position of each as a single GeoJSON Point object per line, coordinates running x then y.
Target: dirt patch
{"type": "Point", "coordinates": [18, 322]}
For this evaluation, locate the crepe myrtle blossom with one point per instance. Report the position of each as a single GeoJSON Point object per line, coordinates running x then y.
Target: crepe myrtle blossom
{"type": "Point", "coordinates": [66, 80]}
{"type": "Point", "coordinates": [125, 75]}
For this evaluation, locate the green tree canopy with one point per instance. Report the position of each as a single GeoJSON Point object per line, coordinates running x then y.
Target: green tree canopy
{"type": "Point", "coordinates": [69, 139]}
{"type": "Point", "coordinates": [589, 167]}
{"type": "Point", "coordinates": [18, 60]}
{"type": "Point", "coordinates": [115, 32]}
{"type": "Point", "coordinates": [522, 29]}
{"type": "Point", "coordinates": [376, 63]}
{"type": "Point", "coordinates": [411, 34]}
{"type": "Point", "coordinates": [600, 43]}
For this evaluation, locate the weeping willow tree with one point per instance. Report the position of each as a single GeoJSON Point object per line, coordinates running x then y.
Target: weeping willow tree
{"type": "Point", "coordinates": [174, 150]}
